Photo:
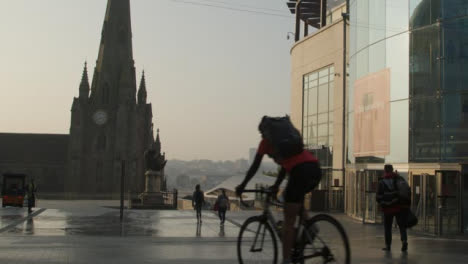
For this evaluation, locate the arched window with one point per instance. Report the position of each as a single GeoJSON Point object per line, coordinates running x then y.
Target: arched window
{"type": "Point", "coordinates": [101, 142]}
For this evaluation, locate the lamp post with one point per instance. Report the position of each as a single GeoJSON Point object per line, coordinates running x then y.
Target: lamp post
{"type": "Point", "coordinates": [345, 74]}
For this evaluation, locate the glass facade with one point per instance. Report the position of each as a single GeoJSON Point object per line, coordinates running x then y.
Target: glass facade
{"type": "Point", "coordinates": [379, 43]}
{"type": "Point", "coordinates": [438, 90]}
{"type": "Point", "coordinates": [423, 45]}
{"type": "Point", "coordinates": [317, 121]}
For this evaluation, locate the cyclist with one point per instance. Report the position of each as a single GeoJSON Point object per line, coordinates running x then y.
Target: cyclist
{"type": "Point", "coordinates": [304, 175]}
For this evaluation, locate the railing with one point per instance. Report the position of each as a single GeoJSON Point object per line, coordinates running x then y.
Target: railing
{"type": "Point", "coordinates": [168, 200]}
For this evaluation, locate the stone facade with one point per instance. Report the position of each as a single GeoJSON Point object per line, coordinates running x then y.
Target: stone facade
{"type": "Point", "coordinates": [110, 122]}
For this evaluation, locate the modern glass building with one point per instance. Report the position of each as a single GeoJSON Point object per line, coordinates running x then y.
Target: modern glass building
{"type": "Point", "coordinates": [408, 106]}
{"type": "Point", "coordinates": [317, 92]}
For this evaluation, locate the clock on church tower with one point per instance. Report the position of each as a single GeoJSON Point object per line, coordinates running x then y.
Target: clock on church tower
{"type": "Point", "coordinates": [100, 117]}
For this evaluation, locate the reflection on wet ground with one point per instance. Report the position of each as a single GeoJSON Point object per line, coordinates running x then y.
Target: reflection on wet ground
{"type": "Point", "coordinates": [90, 232]}
{"type": "Point", "coordinates": [97, 220]}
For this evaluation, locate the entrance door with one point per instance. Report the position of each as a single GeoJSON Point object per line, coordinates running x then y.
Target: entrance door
{"type": "Point", "coordinates": [448, 201]}
{"type": "Point", "coordinates": [464, 194]}
{"type": "Point", "coordinates": [423, 189]}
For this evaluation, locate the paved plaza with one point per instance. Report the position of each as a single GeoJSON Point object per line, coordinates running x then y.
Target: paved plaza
{"type": "Point", "coordinates": [90, 232]}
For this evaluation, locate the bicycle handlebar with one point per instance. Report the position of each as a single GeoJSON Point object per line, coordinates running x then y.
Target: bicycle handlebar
{"type": "Point", "coordinates": [261, 190]}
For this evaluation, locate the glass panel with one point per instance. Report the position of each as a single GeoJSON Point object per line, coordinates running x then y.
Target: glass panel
{"type": "Point", "coordinates": [331, 116]}
{"type": "Point", "coordinates": [322, 141]}
{"type": "Point", "coordinates": [465, 197]}
{"type": "Point", "coordinates": [397, 49]}
{"type": "Point", "coordinates": [306, 103]}
{"type": "Point", "coordinates": [454, 8]}
{"type": "Point", "coordinates": [430, 204]}
{"type": "Point", "coordinates": [420, 13]}
{"type": "Point", "coordinates": [313, 83]}
{"type": "Point", "coordinates": [313, 76]}
{"type": "Point", "coordinates": [377, 56]}
{"type": "Point", "coordinates": [397, 17]}
{"type": "Point", "coordinates": [323, 72]}
{"type": "Point", "coordinates": [454, 131]}
{"type": "Point", "coordinates": [306, 133]}
{"type": "Point", "coordinates": [424, 62]}
{"type": "Point", "coordinates": [331, 92]}
{"type": "Point", "coordinates": [425, 130]}
{"type": "Point", "coordinates": [323, 80]}
{"type": "Point", "coordinates": [377, 21]}
{"type": "Point", "coordinates": [312, 120]}
{"type": "Point", "coordinates": [362, 60]}
{"type": "Point", "coordinates": [455, 53]}
{"type": "Point", "coordinates": [330, 128]}
{"type": "Point", "coordinates": [323, 98]}
{"type": "Point", "coordinates": [362, 24]}
{"type": "Point", "coordinates": [448, 202]}
{"type": "Point", "coordinates": [436, 13]}
{"type": "Point", "coordinates": [322, 130]}
{"type": "Point", "coordinates": [332, 70]}
{"type": "Point", "coordinates": [312, 102]}
{"type": "Point", "coordinates": [323, 118]}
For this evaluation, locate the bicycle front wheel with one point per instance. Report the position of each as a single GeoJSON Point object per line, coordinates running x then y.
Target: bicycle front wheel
{"type": "Point", "coordinates": [324, 240]}
{"type": "Point", "coordinates": [256, 242]}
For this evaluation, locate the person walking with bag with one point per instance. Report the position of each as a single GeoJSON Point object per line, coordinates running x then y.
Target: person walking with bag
{"type": "Point", "coordinates": [394, 205]}
{"type": "Point", "coordinates": [222, 205]}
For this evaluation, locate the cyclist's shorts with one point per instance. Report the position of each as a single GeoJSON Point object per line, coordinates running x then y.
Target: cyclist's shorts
{"type": "Point", "coordinates": [302, 179]}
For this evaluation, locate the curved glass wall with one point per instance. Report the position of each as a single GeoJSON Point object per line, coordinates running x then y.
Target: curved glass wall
{"type": "Point", "coordinates": [418, 50]}
{"type": "Point", "coordinates": [378, 102]}
{"type": "Point", "coordinates": [438, 80]}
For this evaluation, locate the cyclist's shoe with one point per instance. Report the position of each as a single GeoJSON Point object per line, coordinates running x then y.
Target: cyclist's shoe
{"type": "Point", "coordinates": [404, 247]}
{"type": "Point", "coordinates": [387, 248]}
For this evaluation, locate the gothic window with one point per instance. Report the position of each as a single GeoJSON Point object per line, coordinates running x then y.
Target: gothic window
{"type": "Point", "coordinates": [105, 94]}
{"type": "Point", "coordinates": [101, 142]}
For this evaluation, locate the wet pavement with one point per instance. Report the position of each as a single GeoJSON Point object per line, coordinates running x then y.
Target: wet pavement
{"type": "Point", "coordinates": [90, 232]}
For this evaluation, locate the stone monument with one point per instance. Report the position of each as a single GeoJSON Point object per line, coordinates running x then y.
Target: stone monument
{"type": "Point", "coordinates": [155, 182]}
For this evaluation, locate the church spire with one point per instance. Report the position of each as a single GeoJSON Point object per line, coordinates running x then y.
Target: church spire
{"type": "Point", "coordinates": [157, 143]}
{"type": "Point", "coordinates": [142, 91]}
{"type": "Point", "coordinates": [114, 76]}
{"type": "Point", "coordinates": [84, 85]}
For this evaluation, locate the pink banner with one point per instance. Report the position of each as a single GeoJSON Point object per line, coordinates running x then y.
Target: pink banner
{"type": "Point", "coordinates": [372, 115]}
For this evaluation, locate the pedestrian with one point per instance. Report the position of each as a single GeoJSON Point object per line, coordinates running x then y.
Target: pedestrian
{"type": "Point", "coordinates": [393, 206]}
{"type": "Point", "coordinates": [31, 192]}
{"type": "Point", "coordinates": [198, 201]}
{"type": "Point", "coordinates": [222, 204]}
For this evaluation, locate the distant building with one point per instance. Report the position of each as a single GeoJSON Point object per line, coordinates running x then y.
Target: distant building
{"type": "Point", "coordinates": [42, 156]}
{"type": "Point", "coordinates": [111, 123]}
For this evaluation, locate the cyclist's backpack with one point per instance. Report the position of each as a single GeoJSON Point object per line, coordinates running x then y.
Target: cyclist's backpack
{"type": "Point", "coordinates": [284, 138]}
{"type": "Point", "coordinates": [403, 189]}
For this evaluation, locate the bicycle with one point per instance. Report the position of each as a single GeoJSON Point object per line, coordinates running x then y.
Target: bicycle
{"type": "Point", "coordinates": [257, 238]}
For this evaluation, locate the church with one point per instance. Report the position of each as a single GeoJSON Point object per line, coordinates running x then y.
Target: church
{"type": "Point", "coordinates": [110, 127]}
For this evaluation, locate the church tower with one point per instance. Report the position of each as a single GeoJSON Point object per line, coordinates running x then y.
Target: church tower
{"type": "Point", "coordinates": [109, 124]}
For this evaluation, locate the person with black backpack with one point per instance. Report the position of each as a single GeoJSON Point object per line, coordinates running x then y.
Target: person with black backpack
{"type": "Point", "coordinates": [283, 142]}
{"type": "Point", "coordinates": [198, 200]}
{"type": "Point", "coordinates": [394, 196]}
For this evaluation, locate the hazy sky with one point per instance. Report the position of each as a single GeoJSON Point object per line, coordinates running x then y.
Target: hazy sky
{"type": "Point", "coordinates": [211, 73]}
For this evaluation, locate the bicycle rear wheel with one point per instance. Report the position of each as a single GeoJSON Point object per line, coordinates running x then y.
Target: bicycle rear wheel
{"type": "Point", "coordinates": [256, 242]}
{"type": "Point", "coordinates": [324, 240]}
